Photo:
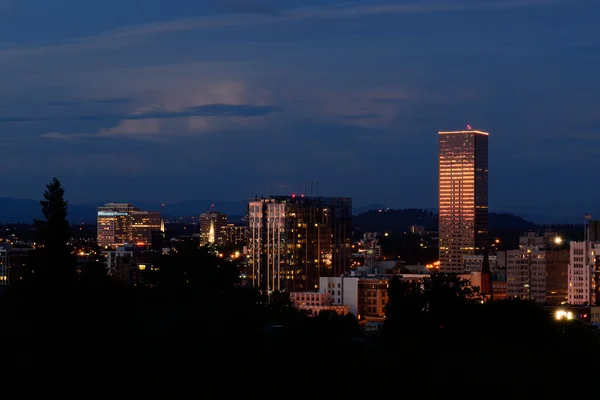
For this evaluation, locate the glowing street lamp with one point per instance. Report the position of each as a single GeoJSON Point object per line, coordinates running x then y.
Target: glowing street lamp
{"type": "Point", "coordinates": [561, 315]}
{"type": "Point", "coordinates": [558, 240]}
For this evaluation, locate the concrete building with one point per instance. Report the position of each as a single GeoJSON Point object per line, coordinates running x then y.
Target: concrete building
{"type": "Point", "coordinates": [119, 224]}
{"type": "Point", "coordinates": [114, 224]}
{"type": "Point", "coordinates": [538, 269]}
{"type": "Point", "coordinates": [463, 197]}
{"type": "Point", "coordinates": [121, 265]}
{"type": "Point", "coordinates": [474, 262]}
{"type": "Point", "coordinates": [583, 270]}
{"type": "Point", "coordinates": [213, 228]}
{"type": "Point", "coordinates": [237, 234]}
{"type": "Point", "coordinates": [366, 297]}
{"type": "Point", "coordinates": [143, 224]}
{"type": "Point", "coordinates": [317, 302]}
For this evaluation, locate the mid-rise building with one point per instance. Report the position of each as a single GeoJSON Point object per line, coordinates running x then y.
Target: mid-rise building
{"type": "Point", "coordinates": [294, 240]}
{"type": "Point", "coordinates": [213, 228]}
{"type": "Point", "coordinates": [124, 264]}
{"type": "Point", "coordinates": [143, 224]}
{"type": "Point", "coordinates": [463, 197]}
{"type": "Point", "coordinates": [584, 267]}
{"type": "Point", "coordinates": [121, 223]}
{"type": "Point", "coordinates": [237, 234]}
{"type": "Point", "coordinates": [537, 270]}
{"type": "Point", "coordinates": [315, 302]}
{"type": "Point", "coordinates": [114, 224]}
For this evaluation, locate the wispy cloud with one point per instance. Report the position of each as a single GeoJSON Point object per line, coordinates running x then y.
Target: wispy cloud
{"type": "Point", "coordinates": [209, 110]}
{"type": "Point", "coordinates": [254, 14]}
{"type": "Point", "coordinates": [63, 136]}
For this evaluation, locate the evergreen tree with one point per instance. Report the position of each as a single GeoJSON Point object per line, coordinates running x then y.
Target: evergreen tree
{"type": "Point", "coordinates": [53, 262]}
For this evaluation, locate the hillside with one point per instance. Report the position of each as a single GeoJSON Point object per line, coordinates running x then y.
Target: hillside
{"type": "Point", "coordinates": [401, 220]}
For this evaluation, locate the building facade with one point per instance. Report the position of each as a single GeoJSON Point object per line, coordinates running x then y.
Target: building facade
{"type": "Point", "coordinates": [213, 228]}
{"type": "Point", "coordinates": [237, 234]}
{"type": "Point", "coordinates": [584, 267]}
{"type": "Point", "coordinates": [143, 224]}
{"type": "Point", "coordinates": [119, 224]}
{"type": "Point", "coordinates": [538, 269]}
{"type": "Point", "coordinates": [463, 197]}
{"type": "Point", "coordinates": [114, 224]}
{"type": "Point", "coordinates": [294, 240]}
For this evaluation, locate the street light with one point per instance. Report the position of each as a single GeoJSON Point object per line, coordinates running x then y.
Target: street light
{"type": "Point", "coordinates": [561, 315]}
{"type": "Point", "coordinates": [558, 240]}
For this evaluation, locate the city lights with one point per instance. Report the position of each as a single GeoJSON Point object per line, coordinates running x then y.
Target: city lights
{"type": "Point", "coordinates": [558, 240]}
{"type": "Point", "coordinates": [562, 315]}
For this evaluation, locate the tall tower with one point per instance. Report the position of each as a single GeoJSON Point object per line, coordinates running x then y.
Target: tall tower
{"type": "Point", "coordinates": [463, 196]}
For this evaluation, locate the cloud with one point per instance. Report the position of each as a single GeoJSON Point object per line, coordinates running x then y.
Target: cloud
{"type": "Point", "coordinates": [212, 110]}
{"type": "Point", "coordinates": [165, 123]}
{"type": "Point", "coordinates": [62, 136]}
{"type": "Point", "coordinates": [133, 34]}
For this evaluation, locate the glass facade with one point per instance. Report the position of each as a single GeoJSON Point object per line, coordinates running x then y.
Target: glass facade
{"type": "Point", "coordinates": [463, 196]}
{"type": "Point", "coordinates": [294, 240]}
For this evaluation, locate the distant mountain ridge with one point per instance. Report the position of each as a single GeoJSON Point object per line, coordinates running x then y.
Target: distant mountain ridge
{"type": "Point", "coordinates": [26, 210]}
{"type": "Point", "coordinates": [394, 220]}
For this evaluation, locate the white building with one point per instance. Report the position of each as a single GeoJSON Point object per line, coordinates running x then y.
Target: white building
{"type": "Point", "coordinates": [342, 290]}
{"type": "Point", "coordinates": [581, 272]}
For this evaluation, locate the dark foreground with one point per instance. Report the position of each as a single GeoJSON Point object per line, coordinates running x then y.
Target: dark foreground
{"type": "Point", "coordinates": [128, 345]}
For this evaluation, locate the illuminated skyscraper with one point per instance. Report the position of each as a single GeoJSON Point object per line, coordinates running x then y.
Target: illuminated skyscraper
{"type": "Point", "coordinates": [463, 196]}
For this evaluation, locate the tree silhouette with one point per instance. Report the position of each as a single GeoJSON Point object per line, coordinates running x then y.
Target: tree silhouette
{"type": "Point", "coordinates": [405, 310]}
{"type": "Point", "coordinates": [449, 299]}
{"type": "Point", "coordinates": [193, 267]}
{"type": "Point", "coordinates": [440, 301]}
{"type": "Point", "coordinates": [93, 277]}
{"type": "Point", "coordinates": [53, 262]}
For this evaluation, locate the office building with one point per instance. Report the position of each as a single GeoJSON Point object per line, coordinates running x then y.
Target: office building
{"type": "Point", "coordinates": [537, 270]}
{"type": "Point", "coordinates": [463, 197]}
{"type": "Point", "coordinates": [114, 224]}
{"type": "Point", "coordinates": [237, 234]}
{"type": "Point", "coordinates": [213, 228]}
{"type": "Point", "coordinates": [294, 240]}
{"type": "Point", "coordinates": [121, 223]}
{"type": "Point", "coordinates": [143, 224]}
{"type": "Point", "coordinates": [584, 267]}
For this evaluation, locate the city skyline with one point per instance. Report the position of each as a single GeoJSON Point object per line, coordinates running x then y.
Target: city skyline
{"type": "Point", "coordinates": [220, 100]}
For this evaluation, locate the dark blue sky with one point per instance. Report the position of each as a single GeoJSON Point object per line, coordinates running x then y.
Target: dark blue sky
{"type": "Point", "coordinates": [189, 99]}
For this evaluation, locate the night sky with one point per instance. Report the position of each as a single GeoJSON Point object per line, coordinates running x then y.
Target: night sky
{"type": "Point", "coordinates": [189, 99]}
